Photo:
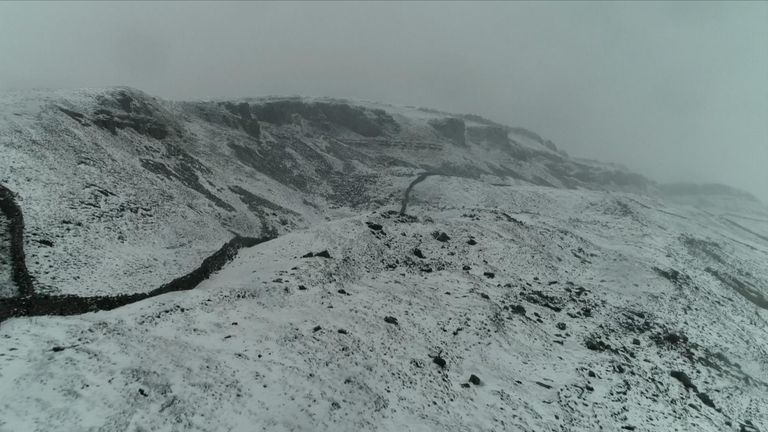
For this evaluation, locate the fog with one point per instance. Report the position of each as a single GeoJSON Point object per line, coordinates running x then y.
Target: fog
{"type": "Point", "coordinates": [678, 92]}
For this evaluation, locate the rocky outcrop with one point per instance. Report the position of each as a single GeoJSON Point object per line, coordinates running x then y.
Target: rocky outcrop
{"type": "Point", "coordinates": [112, 121]}
{"type": "Point", "coordinates": [248, 123]}
{"type": "Point", "coordinates": [327, 115]}
{"type": "Point", "coordinates": [127, 108]}
{"type": "Point", "coordinates": [451, 128]}
{"type": "Point", "coordinates": [745, 289]}
{"type": "Point", "coordinates": [493, 136]}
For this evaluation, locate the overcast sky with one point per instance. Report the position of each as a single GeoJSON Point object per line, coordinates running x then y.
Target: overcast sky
{"type": "Point", "coordinates": [675, 91]}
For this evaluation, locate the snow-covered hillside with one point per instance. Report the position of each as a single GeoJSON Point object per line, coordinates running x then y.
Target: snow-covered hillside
{"type": "Point", "coordinates": [122, 191]}
{"type": "Point", "coordinates": [520, 290]}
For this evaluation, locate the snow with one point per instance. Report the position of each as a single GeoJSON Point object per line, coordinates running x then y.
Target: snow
{"type": "Point", "coordinates": [605, 318]}
{"type": "Point", "coordinates": [240, 353]}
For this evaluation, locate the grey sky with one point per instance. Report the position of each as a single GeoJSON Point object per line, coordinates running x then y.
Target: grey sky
{"type": "Point", "coordinates": [675, 91]}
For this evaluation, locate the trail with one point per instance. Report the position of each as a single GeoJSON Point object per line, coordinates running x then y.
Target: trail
{"type": "Point", "coordinates": [407, 195]}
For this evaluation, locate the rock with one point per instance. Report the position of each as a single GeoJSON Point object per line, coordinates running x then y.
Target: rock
{"type": "Point", "coordinates": [591, 374]}
{"type": "Point", "coordinates": [674, 338]}
{"type": "Point", "coordinates": [474, 379]}
{"type": "Point", "coordinates": [418, 253]}
{"type": "Point", "coordinates": [485, 296]}
{"type": "Point", "coordinates": [323, 254]}
{"type": "Point", "coordinates": [341, 291]}
{"type": "Point", "coordinates": [302, 288]}
{"type": "Point", "coordinates": [112, 121]}
{"type": "Point", "coordinates": [629, 427]}
{"type": "Point", "coordinates": [316, 329]}
{"type": "Point", "coordinates": [440, 236]}
{"type": "Point", "coordinates": [635, 341]}
{"type": "Point", "coordinates": [589, 388]}
{"type": "Point", "coordinates": [706, 400]}
{"type": "Point", "coordinates": [517, 309]}
{"type": "Point", "coordinates": [546, 386]}
{"type": "Point", "coordinates": [142, 392]}
{"type": "Point", "coordinates": [451, 128]}
{"type": "Point", "coordinates": [439, 361]}
{"type": "Point", "coordinates": [561, 326]}
{"type": "Point", "coordinates": [465, 385]}
{"type": "Point", "coordinates": [489, 275]}
{"type": "Point", "coordinates": [308, 255]}
{"type": "Point", "coordinates": [596, 345]}
{"type": "Point", "coordinates": [342, 331]}
{"type": "Point", "coordinates": [471, 242]}
{"type": "Point", "coordinates": [76, 116]}
{"type": "Point", "coordinates": [466, 268]}
{"type": "Point", "coordinates": [684, 379]}
{"type": "Point", "coordinates": [57, 349]}
{"type": "Point", "coordinates": [374, 226]}
{"type": "Point", "coordinates": [748, 426]}
{"type": "Point", "coordinates": [391, 320]}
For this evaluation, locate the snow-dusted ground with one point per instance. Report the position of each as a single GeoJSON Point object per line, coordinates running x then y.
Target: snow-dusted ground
{"type": "Point", "coordinates": [556, 308]}
{"type": "Point", "coordinates": [122, 191]}
{"type": "Point", "coordinates": [581, 309]}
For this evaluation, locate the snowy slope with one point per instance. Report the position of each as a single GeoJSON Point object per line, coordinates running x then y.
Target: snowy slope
{"type": "Point", "coordinates": [122, 190]}
{"type": "Point", "coordinates": [580, 296]}
{"type": "Point", "coordinates": [574, 331]}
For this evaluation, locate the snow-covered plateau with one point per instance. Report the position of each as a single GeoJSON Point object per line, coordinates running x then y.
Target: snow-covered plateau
{"type": "Point", "coordinates": [409, 270]}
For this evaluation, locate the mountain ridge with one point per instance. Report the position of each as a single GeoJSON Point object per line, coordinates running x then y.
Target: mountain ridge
{"type": "Point", "coordinates": [289, 171]}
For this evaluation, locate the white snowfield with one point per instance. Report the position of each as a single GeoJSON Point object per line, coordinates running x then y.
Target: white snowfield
{"type": "Point", "coordinates": [493, 305]}
{"type": "Point", "coordinates": [250, 349]}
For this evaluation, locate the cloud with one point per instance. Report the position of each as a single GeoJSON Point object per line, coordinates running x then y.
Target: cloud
{"type": "Point", "coordinates": [676, 91]}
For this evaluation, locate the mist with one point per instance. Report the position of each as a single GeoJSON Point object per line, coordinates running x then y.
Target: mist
{"type": "Point", "coordinates": [677, 92]}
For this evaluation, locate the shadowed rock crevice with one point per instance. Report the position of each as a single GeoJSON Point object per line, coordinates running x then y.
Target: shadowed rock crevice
{"type": "Point", "coordinates": [746, 290]}
{"type": "Point", "coordinates": [187, 176]}
{"type": "Point", "coordinates": [271, 162]}
{"type": "Point", "coordinates": [256, 203]}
